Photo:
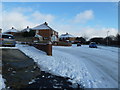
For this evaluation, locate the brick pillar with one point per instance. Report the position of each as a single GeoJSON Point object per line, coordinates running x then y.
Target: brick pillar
{"type": "Point", "coordinates": [49, 48]}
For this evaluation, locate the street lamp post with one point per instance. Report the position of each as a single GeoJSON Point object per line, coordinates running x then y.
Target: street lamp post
{"type": "Point", "coordinates": [107, 37]}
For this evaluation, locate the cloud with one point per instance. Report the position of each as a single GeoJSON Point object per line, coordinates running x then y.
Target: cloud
{"type": "Point", "coordinates": [83, 17]}
{"type": "Point", "coordinates": [22, 9]}
{"type": "Point", "coordinates": [88, 32]}
{"type": "Point", "coordinates": [18, 19]}
{"type": "Point", "coordinates": [42, 17]}
{"type": "Point", "coordinates": [15, 19]}
{"type": "Point", "coordinates": [95, 32]}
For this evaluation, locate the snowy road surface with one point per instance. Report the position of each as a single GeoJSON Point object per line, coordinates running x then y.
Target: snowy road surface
{"type": "Point", "coordinates": [90, 67]}
{"type": "Point", "coordinates": [102, 63]}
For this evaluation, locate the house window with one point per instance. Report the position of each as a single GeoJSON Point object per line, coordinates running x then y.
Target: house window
{"type": "Point", "coordinates": [37, 31]}
{"type": "Point", "coordinates": [53, 33]}
{"type": "Point", "coordinates": [54, 38]}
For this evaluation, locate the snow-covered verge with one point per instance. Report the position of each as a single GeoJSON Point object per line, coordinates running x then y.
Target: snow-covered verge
{"type": "Point", "coordinates": [61, 64]}
{"type": "Point", "coordinates": [2, 84]}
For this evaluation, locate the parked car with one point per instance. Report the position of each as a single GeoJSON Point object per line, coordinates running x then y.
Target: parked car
{"type": "Point", "coordinates": [92, 45]}
{"type": "Point", "coordinates": [79, 44]}
{"type": "Point", "coordinates": [7, 40]}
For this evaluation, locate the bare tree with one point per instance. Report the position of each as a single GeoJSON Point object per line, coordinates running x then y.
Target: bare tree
{"type": "Point", "coordinates": [85, 37]}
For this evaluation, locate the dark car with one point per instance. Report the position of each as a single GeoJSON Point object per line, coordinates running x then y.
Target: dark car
{"type": "Point", "coordinates": [79, 44]}
{"type": "Point", "coordinates": [92, 45]}
{"type": "Point", "coordinates": [7, 40]}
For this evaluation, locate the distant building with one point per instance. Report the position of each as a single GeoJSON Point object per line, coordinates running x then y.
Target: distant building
{"type": "Point", "coordinates": [11, 31]}
{"type": "Point", "coordinates": [47, 33]}
{"type": "Point", "coordinates": [67, 37]}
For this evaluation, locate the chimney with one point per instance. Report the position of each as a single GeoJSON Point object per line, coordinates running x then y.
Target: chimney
{"type": "Point", "coordinates": [12, 27]}
{"type": "Point", "coordinates": [46, 23]}
{"type": "Point", "coordinates": [27, 26]}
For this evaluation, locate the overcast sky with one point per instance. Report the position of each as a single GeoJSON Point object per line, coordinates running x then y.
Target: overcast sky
{"type": "Point", "coordinates": [77, 18]}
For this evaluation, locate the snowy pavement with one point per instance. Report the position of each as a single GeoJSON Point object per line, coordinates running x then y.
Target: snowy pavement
{"type": "Point", "coordinates": [8, 48]}
{"type": "Point", "coordinates": [91, 67]}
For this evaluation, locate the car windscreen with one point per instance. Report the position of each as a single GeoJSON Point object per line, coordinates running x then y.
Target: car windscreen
{"type": "Point", "coordinates": [7, 36]}
{"type": "Point", "coordinates": [93, 43]}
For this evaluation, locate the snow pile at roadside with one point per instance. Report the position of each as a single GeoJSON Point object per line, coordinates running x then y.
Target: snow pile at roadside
{"type": "Point", "coordinates": [61, 64]}
{"type": "Point", "coordinates": [2, 84]}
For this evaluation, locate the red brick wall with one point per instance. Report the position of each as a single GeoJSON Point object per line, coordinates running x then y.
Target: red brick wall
{"type": "Point", "coordinates": [47, 33]}
{"type": "Point", "coordinates": [44, 47]}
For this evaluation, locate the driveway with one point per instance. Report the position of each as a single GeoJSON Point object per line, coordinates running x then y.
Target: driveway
{"type": "Point", "coordinates": [21, 71]}
{"type": "Point", "coordinates": [17, 68]}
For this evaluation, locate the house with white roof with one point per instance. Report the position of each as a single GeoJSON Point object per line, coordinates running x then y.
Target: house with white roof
{"type": "Point", "coordinates": [67, 37]}
{"type": "Point", "coordinates": [47, 33]}
{"type": "Point", "coordinates": [11, 31]}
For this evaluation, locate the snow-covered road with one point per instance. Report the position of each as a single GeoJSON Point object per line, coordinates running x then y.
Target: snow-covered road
{"type": "Point", "coordinates": [102, 63]}
{"type": "Point", "coordinates": [89, 67]}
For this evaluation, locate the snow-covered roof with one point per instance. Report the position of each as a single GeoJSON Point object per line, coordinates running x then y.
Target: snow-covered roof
{"type": "Point", "coordinates": [12, 30]}
{"type": "Point", "coordinates": [66, 35]}
{"type": "Point", "coordinates": [26, 29]}
{"type": "Point", "coordinates": [42, 27]}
